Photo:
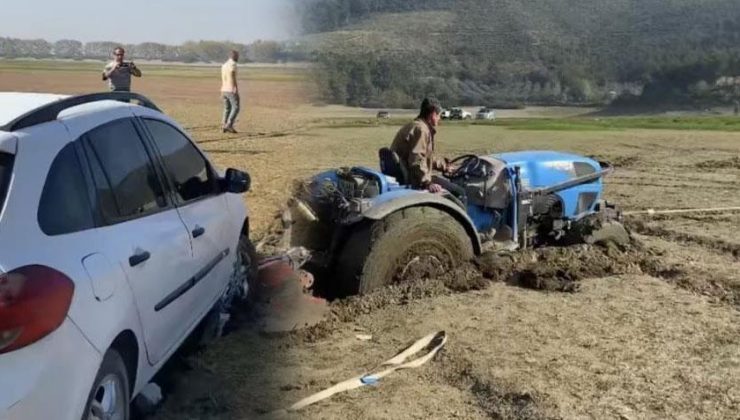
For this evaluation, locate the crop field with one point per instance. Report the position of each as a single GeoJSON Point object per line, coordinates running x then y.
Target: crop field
{"type": "Point", "coordinates": [647, 331]}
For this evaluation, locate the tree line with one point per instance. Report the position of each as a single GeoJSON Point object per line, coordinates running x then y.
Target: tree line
{"type": "Point", "coordinates": [508, 52]}
{"type": "Point", "coordinates": [189, 52]}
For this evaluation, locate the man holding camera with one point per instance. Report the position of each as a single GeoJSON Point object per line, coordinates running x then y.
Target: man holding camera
{"type": "Point", "coordinates": [118, 72]}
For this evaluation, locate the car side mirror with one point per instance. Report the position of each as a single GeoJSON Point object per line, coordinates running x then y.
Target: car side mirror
{"type": "Point", "coordinates": [236, 181]}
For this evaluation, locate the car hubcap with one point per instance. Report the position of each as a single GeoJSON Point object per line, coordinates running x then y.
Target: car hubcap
{"type": "Point", "coordinates": [108, 403]}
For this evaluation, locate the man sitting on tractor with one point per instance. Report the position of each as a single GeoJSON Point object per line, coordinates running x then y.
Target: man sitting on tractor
{"type": "Point", "coordinates": [414, 145]}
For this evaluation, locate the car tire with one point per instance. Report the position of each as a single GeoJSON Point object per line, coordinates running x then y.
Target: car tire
{"type": "Point", "coordinates": [418, 242]}
{"type": "Point", "coordinates": [249, 258]}
{"type": "Point", "coordinates": [110, 394]}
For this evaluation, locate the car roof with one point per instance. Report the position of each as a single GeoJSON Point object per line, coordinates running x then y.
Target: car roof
{"type": "Point", "coordinates": [15, 105]}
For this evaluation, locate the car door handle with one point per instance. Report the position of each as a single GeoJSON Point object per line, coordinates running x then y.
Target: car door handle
{"type": "Point", "coordinates": [139, 258]}
{"type": "Point", "coordinates": [198, 231]}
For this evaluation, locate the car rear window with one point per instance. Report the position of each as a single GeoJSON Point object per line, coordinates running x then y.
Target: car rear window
{"type": "Point", "coordinates": [6, 172]}
{"type": "Point", "coordinates": [65, 205]}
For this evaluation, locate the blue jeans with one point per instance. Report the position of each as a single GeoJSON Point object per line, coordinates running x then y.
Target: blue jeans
{"type": "Point", "coordinates": [231, 108]}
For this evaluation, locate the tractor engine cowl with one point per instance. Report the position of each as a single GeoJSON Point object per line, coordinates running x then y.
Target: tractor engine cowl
{"type": "Point", "coordinates": [354, 185]}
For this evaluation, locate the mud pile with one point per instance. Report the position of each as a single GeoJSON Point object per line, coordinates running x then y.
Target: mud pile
{"type": "Point", "coordinates": [619, 161]}
{"type": "Point", "coordinates": [546, 269]}
{"type": "Point", "coordinates": [559, 269]}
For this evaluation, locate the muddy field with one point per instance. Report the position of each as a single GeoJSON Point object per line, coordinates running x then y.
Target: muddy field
{"type": "Point", "coordinates": [646, 331]}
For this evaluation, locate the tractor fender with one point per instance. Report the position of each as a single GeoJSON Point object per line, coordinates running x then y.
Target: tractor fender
{"type": "Point", "coordinates": [396, 201]}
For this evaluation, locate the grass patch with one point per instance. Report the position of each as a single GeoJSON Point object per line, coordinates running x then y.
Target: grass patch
{"type": "Point", "coordinates": [619, 123]}
{"type": "Point", "coordinates": [561, 124]}
{"type": "Point", "coordinates": [341, 123]}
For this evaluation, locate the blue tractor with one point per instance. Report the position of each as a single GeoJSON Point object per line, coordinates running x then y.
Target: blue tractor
{"type": "Point", "coordinates": [370, 229]}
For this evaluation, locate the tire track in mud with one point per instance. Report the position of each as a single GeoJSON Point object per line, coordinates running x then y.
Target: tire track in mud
{"type": "Point", "coordinates": [731, 163]}
{"type": "Point", "coordinates": [495, 400]}
{"type": "Point", "coordinates": [700, 281]}
{"type": "Point", "coordinates": [252, 136]}
{"type": "Point", "coordinates": [696, 217]}
{"type": "Point", "coordinates": [721, 246]}
{"type": "Point", "coordinates": [696, 279]}
{"type": "Point", "coordinates": [683, 186]}
{"type": "Point", "coordinates": [660, 176]}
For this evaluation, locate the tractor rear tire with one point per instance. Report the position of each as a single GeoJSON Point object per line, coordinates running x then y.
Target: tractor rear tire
{"type": "Point", "coordinates": [417, 242]}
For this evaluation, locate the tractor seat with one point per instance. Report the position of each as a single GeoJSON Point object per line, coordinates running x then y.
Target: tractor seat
{"type": "Point", "coordinates": [390, 164]}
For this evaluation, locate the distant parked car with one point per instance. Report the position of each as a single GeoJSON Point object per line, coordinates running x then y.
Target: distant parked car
{"type": "Point", "coordinates": [117, 238]}
{"type": "Point", "coordinates": [485, 113]}
{"type": "Point", "coordinates": [384, 115]}
{"type": "Point", "coordinates": [460, 114]}
{"type": "Point", "coordinates": [445, 114]}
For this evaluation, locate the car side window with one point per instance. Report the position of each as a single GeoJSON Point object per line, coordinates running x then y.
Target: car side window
{"type": "Point", "coordinates": [189, 172]}
{"type": "Point", "coordinates": [126, 182]}
{"type": "Point", "coordinates": [65, 205]}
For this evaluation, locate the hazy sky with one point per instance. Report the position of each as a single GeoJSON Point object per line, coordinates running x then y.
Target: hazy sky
{"type": "Point", "coordinates": [134, 21]}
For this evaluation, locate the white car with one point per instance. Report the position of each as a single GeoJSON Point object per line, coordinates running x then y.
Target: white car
{"type": "Point", "coordinates": [445, 114]}
{"type": "Point", "coordinates": [485, 114]}
{"type": "Point", "coordinates": [460, 114]}
{"type": "Point", "coordinates": [117, 238]}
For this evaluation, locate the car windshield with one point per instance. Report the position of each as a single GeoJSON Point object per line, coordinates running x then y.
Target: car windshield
{"type": "Point", "coordinates": [6, 170]}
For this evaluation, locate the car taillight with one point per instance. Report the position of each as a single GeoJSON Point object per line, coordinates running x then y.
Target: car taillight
{"type": "Point", "coordinates": [34, 301]}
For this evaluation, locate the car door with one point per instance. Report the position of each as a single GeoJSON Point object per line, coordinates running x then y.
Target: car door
{"type": "Point", "coordinates": [202, 206]}
{"type": "Point", "coordinates": [143, 232]}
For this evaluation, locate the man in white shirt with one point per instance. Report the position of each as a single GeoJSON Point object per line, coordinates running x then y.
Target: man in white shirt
{"type": "Point", "coordinates": [230, 92]}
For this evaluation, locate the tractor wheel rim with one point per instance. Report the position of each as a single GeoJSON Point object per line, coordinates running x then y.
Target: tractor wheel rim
{"type": "Point", "coordinates": [108, 403]}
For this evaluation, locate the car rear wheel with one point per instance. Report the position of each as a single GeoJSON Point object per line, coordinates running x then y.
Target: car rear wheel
{"type": "Point", "coordinates": [414, 243]}
{"type": "Point", "coordinates": [248, 259]}
{"type": "Point", "coordinates": [110, 394]}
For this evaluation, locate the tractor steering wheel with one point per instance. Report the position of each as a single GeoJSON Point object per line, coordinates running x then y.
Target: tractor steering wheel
{"type": "Point", "coordinates": [468, 162]}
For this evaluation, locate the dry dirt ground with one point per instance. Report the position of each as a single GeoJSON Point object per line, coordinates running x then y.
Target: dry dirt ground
{"type": "Point", "coordinates": [650, 331]}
